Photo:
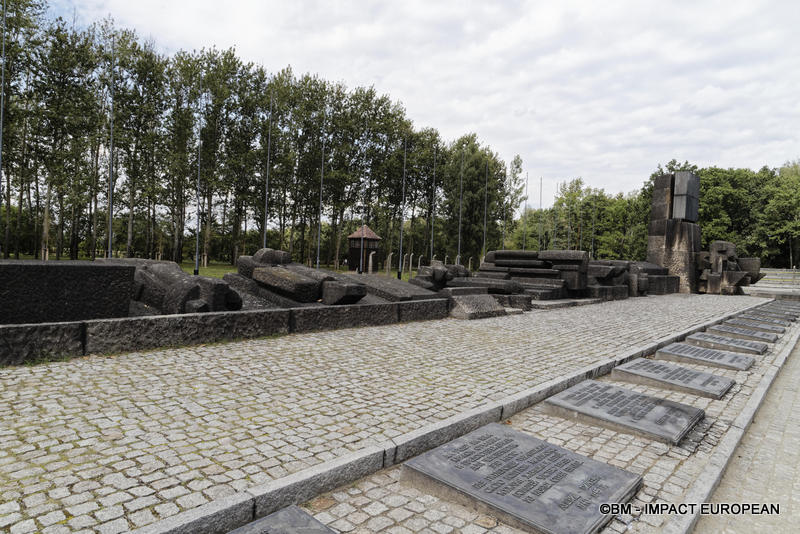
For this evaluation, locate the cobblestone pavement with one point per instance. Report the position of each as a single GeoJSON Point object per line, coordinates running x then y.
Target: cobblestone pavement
{"type": "Point", "coordinates": [384, 502]}
{"type": "Point", "coordinates": [766, 465]}
{"type": "Point", "coordinates": [108, 443]}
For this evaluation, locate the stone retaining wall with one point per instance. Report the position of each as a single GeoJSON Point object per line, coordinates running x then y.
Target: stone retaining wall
{"type": "Point", "coordinates": [27, 343]}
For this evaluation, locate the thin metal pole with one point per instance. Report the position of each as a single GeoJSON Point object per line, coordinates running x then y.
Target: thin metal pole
{"type": "Point", "coordinates": [321, 178]}
{"type": "Point", "coordinates": [197, 195]}
{"type": "Point", "coordinates": [361, 254]}
{"type": "Point", "coordinates": [580, 228]}
{"type": "Point", "coordinates": [402, 209]}
{"type": "Point", "coordinates": [505, 216]}
{"type": "Point", "coordinates": [541, 213]}
{"type": "Point", "coordinates": [111, 161]}
{"type": "Point", "coordinates": [2, 109]}
{"type": "Point", "coordinates": [555, 223]}
{"type": "Point", "coordinates": [433, 199]}
{"type": "Point", "coordinates": [266, 188]}
{"type": "Point", "coordinates": [460, 199]}
{"type": "Point", "coordinates": [485, 204]}
{"type": "Point", "coordinates": [525, 215]}
{"type": "Point", "coordinates": [594, 216]}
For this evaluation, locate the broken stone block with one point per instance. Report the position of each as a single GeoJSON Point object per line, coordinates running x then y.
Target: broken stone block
{"type": "Point", "coordinates": [268, 256]}
{"type": "Point", "coordinates": [287, 283]}
{"type": "Point", "coordinates": [506, 287]}
{"type": "Point", "coordinates": [245, 266]}
{"type": "Point", "coordinates": [178, 294]}
{"type": "Point", "coordinates": [218, 295]}
{"type": "Point", "coordinates": [197, 306]}
{"type": "Point", "coordinates": [342, 293]}
{"type": "Point", "coordinates": [148, 289]}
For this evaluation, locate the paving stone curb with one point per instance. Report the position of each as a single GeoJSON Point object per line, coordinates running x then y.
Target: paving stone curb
{"type": "Point", "coordinates": [223, 515]}
{"type": "Point", "coordinates": [702, 490]}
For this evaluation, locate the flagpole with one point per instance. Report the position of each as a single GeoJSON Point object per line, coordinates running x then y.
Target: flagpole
{"type": "Point", "coordinates": [525, 215]}
{"type": "Point", "coordinates": [402, 208]}
{"type": "Point", "coordinates": [111, 161]}
{"type": "Point", "coordinates": [433, 198]}
{"type": "Point", "coordinates": [266, 188]}
{"type": "Point", "coordinates": [321, 178]}
{"type": "Point", "coordinates": [485, 204]}
{"type": "Point", "coordinates": [2, 116]}
{"type": "Point", "coordinates": [460, 200]}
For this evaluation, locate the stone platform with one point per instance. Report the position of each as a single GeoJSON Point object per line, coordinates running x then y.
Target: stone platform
{"type": "Point", "coordinates": [112, 443]}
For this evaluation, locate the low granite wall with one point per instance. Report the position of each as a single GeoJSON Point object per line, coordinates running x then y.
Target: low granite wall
{"type": "Point", "coordinates": [26, 343]}
{"type": "Point", "coordinates": [139, 333]}
{"type": "Point", "coordinates": [336, 317]}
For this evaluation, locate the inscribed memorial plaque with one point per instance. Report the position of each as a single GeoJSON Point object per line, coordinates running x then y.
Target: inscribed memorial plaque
{"type": "Point", "coordinates": [742, 333]}
{"type": "Point", "coordinates": [670, 376]}
{"type": "Point", "coordinates": [683, 352]}
{"type": "Point", "coordinates": [523, 481]}
{"type": "Point", "coordinates": [755, 325]}
{"type": "Point", "coordinates": [712, 341]}
{"type": "Point", "coordinates": [764, 319]}
{"type": "Point", "coordinates": [625, 410]}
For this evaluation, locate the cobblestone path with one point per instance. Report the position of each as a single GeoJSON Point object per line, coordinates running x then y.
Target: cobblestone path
{"type": "Point", "coordinates": [765, 468]}
{"type": "Point", "coordinates": [385, 502]}
{"type": "Point", "coordinates": [108, 443]}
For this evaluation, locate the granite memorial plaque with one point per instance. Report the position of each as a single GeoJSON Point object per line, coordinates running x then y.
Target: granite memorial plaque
{"type": "Point", "coordinates": [780, 309]}
{"type": "Point", "coordinates": [290, 520]}
{"type": "Point", "coordinates": [670, 376]}
{"type": "Point", "coordinates": [683, 352]}
{"type": "Point", "coordinates": [625, 410]}
{"type": "Point", "coordinates": [755, 325]}
{"type": "Point", "coordinates": [713, 341]}
{"type": "Point", "coordinates": [764, 319]}
{"type": "Point", "coordinates": [780, 312]}
{"type": "Point", "coordinates": [762, 313]}
{"type": "Point", "coordinates": [522, 480]}
{"type": "Point", "coordinates": [742, 333]}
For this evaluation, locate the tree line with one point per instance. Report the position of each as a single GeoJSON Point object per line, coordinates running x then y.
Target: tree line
{"type": "Point", "coordinates": [207, 146]}
{"type": "Point", "coordinates": [205, 128]}
{"type": "Point", "coordinates": [759, 211]}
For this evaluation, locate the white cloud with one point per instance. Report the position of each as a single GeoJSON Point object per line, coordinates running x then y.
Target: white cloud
{"type": "Point", "coordinates": [602, 90]}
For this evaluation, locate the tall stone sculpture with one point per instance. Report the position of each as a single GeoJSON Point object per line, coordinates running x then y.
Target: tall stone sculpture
{"type": "Point", "coordinates": [673, 240]}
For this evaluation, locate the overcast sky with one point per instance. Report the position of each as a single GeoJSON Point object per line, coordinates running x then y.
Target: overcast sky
{"type": "Point", "coordinates": [601, 90]}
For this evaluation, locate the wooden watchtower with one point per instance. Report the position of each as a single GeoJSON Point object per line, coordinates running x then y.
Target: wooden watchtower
{"type": "Point", "coordinates": [371, 242]}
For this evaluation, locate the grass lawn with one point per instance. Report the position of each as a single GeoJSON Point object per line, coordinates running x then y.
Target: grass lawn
{"type": "Point", "coordinates": [218, 270]}
{"type": "Point", "coordinates": [214, 270]}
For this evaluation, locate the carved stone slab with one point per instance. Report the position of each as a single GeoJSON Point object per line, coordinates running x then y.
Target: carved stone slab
{"type": "Point", "coordinates": [522, 480]}
{"type": "Point", "coordinates": [670, 376]}
{"type": "Point", "coordinates": [625, 410]}
{"type": "Point", "coordinates": [764, 319]}
{"type": "Point", "coordinates": [772, 312]}
{"type": "Point", "coordinates": [713, 341]}
{"type": "Point", "coordinates": [290, 520]}
{"type": "Point", "coordinates": [742, 333]}
{"type": "Point", "coordinates": [686, 353]}
{"type": "Point", "coordinates": [755, 325]}
{"type": "Point", "coordinates": [768, 315]}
